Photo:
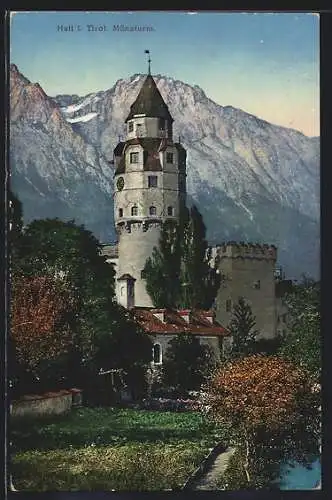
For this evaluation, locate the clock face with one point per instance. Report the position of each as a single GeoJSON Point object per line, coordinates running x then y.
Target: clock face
{"type": "Point", "coordinates": [120, 183]}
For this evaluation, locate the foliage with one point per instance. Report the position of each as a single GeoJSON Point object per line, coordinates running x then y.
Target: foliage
{"type": "Point", "coordinates": [242, 328]}
{"type": "Point", "coordinates": [100, 330]}
{"type": "Point", "coordinates": [302, 344]}
{"type": "Point", "coordinates": [108, 449]}
{"type": "Point", "coordinates": [268, 347]}
{"type": "Point", "coordinates": [39, 323]}
{"type": "Point", "coordinates": [162, 269]}
{"type": "Point", "coordinates": [115, 351]}
{"type": "Point", "coordinates": [56, 248]}
{"type": "Point", "coordinates": [260, 392]}
{"type": "Point", "coordinates": [187, 364]}
{"type": "Point", "coordinates": [178, 274]}
{"type": "Point", "coordinates": [270, 404]}
{"type": "Point", "coordinates": [200, 282]}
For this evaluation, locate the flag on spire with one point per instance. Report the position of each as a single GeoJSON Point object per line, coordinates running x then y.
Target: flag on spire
{"type": "Point", "coordinates": [149, 61]}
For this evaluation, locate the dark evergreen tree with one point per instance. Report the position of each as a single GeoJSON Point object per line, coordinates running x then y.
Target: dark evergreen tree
{"type": "Point", "coordinates": [242, 329]}
{"type": "Point", "coordinates": [162, 269]}
{"type": "Point", "coordinates": [200, 281]}
{"type": "Point", "coordinates": [187, 364]}
{"type": "Point", "coordinates": [179, 273]}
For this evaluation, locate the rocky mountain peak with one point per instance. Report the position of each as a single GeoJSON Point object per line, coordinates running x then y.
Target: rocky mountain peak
{"type": "Point", "coordinates": [251, 179]}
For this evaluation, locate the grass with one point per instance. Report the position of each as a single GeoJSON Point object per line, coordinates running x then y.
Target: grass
{"type": "Point", "coordinates": [109, 449]}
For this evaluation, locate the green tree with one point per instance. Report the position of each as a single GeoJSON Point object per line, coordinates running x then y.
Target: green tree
{"type": "Point", "coordinates": [54, 249]}
{"type": "Point", "coordinates": [187, 363]}
{"type": "Point", "coordinates": [242, 329]}
{"type": "Point", "coordinates": [129, 349]}
{"type": "Point", "coordinates": [179, 274]}
{"type": "Point", "coordinates": [162, 269]}
{"type": "Point", "coordinates": [302, 342]}
{"type": "Point", "coordinates": [200, 282]}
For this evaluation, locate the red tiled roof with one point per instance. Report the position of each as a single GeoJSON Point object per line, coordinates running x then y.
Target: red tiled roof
{"type": "Point", "coordinates": [175, 324]}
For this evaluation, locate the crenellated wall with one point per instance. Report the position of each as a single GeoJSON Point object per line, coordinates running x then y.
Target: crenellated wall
{"type": "Point", "coordinates": [247, 271]}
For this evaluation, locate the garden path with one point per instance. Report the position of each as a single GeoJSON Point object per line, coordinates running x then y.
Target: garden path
{"type": "Point", "coordinates": [209, 480]}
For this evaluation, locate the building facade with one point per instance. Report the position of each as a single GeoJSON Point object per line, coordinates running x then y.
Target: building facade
{"type": "Point", "coordinates": [249, 271]}
{"type": "Point", "coordinates": [163, 325]}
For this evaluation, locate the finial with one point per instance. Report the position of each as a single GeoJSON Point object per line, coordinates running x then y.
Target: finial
{"type": "Point", "coordinates": [149, 62]}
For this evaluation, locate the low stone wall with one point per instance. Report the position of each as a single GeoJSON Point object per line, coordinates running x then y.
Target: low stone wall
{"type": "Point", "coordinates": [51, 403]}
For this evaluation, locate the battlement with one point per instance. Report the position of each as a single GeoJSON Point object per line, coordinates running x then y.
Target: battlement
{"type": "Point", "coordinates": [243, 250]}
{"type": "Point", "coordinates": [111, 251]}
{"type": "Point", "coordinates": [139, 225]}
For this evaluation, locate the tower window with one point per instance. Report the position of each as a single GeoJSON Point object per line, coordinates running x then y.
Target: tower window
{"type": "Point", "coordinates": [152, 181]}
{"type": "Point", "coordinates": [120, 212]}
{"type": "Point", "coordinates": [156, 354]}
{"type": "Point", "coordinates": [152, 211]}
{"type": "Point", "coordinates": [228, 305]}
{"type": "Point", "coordinates": [134, 210]}
{"type": "Point", "coordinates": [133, 157]}
{"type": "Point", "coordinates": [169, 157]}
{"type": "Point", "coordinates": [169, 210]}
{"type": "Point", "coordinates": [130, 126]}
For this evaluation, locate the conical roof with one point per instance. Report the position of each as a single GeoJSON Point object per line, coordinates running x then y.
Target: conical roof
{"type": "Point", "coordinates": [150, 102]}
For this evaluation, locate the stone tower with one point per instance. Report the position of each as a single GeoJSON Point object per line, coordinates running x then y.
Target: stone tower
{"type": "Point", "coordinates": [149, 188]}
{"type": "Point", "coordinates": [248, 270]}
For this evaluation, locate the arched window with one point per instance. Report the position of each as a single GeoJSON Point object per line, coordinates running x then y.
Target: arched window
{"type": "Point", "coordinates": [134, 210]}
{"type": "Point", "coordinates": [156, 354]}
{"type": "Point", "coordinates": [120, 212]}
{"type": "Point", "coordinates": [169, 210]}
{"type": "Point", "coordinates": [152, 210]}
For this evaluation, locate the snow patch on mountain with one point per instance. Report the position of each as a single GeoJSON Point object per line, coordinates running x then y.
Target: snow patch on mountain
{"type": "Point", "coordinates": [84, 118]}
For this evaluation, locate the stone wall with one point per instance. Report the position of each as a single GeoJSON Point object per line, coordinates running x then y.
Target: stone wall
{"type": "Point", "coordinates": [56, 403]}
{"type": "Point", "coordinates": [247, 271]}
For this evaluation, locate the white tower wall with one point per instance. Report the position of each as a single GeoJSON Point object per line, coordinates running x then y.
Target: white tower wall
{"type": "Point", "coordinates": [142, 203]}
{"type": "Point", "coordinates": [134, 248]}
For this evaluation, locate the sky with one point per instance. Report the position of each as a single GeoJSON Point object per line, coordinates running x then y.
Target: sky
{"type": "Point", "coordinates": [266, 64]}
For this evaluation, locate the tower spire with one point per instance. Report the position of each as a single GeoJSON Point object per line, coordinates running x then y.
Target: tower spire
{"type": "Point", "coordinates": [149, 62]}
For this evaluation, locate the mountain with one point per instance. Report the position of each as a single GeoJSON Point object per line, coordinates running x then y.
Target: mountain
{"type": "Point", "coordinates": [251, 180]}
{"type": "Point", "coordinates": [54, 171]}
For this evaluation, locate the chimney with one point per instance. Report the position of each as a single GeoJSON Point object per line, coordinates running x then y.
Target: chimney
{"type": "Point", "coordinates": [209, 316]}
{"type": "Point", "coordinates": [159, 314]}
{"type": "Point", "coordinates": [185, 314]}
